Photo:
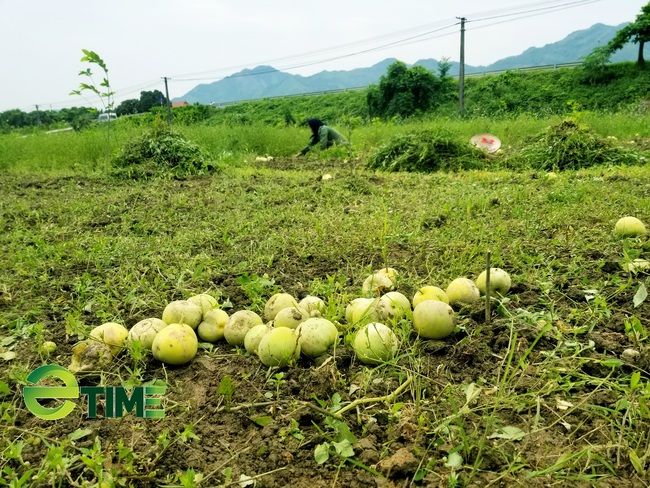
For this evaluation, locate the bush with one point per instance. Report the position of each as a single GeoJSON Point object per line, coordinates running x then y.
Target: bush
{"type": "Point", "coordinates": [426, 151]}
{"type": "Point", "coordinates": [569, 145]}
{"type": "Point", "coordinates": [404, 92]}
{"type": "Point", "coordinates": [161, 154]}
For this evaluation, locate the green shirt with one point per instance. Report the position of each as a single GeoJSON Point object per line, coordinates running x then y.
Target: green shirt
{"type": "Point", "coordinates": [325, 138]}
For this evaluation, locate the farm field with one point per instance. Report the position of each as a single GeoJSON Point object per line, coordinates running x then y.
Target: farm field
{"type": "Point", "coordinates": [550, 390]}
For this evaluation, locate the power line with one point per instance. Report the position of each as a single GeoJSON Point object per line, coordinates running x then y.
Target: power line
{"type": "Point", "coordinates": [413, 36]}
{"type": "Point", "coordinates": [553, 4]}
{"type": "Point", "coordinates": [521, 16]}
{"type": "Point", "coordinates": [532, 6]}
{"type": "Point", "coordinates": [308, 54]}
{"type": "Point", "coordinates": [123, 92]}
{"type": "Point", "coordinates": [542, 10]}
{"type": "Point", "coordinates": [320, 61]}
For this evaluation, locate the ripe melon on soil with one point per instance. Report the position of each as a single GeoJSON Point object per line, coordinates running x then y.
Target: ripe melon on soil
{"type": "Point", "coordinates": [254, 336]}
{"type": "Point", "coordinates": [279, 347]}
{"type": "Point", "coordinates": [390, 272]}
{"type": "Point", "coordinates": [375, 343]}
{"type": "Point", "coordinates": [361, 310]}
{"type": "Point", "coordinates": [630, 227]}
{"type": "Point", "coordinates": [112, 334]}
{"type": "Point", "coordinates": [315, 336]}
{"type": "Point", "coordinates": [290, 317]}
{"type": "Point", "coordinates": [276, 303]}
{"type": "Point", "coordinates": [463, 291]}
{"type": "Point", "coordinates": [500, 281]}
{"type": "Point", "coordinates": [429, 292]}
{"type": "Point", "coordinates": [312, 304]}
{"type": "Point", "coordinates": [146, 330]}
{"type": "Point", "coordinates": [183, 312]}
{"type": "Point", "coordinates": [377, 284]}
{"type": "Point", "coordinates": [433, 319]}
{"type": "Point", "coordinates": [175, 344]}
{"type": "Point", "coordinates": [238, 326]}
{"type": "Point", "coordinates": [393, 306]}
{"type": "Point", "coordinates": [205, 301]}
{"type": "Point", "coordinates": [211, 328]}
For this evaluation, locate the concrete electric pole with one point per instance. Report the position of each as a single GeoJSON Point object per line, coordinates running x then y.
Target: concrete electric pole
{"type": "Point", "coordinates": [461, 72]}
{"type": "Point", "coordinates": [169, 103]}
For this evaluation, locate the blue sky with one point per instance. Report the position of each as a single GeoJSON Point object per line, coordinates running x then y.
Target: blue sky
{"type": "Point", "coordinates": [200, 41]}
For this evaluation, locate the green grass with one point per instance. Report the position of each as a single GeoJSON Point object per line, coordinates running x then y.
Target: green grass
{"type": "Point", "coordinates": [549, 391]}
{"type": "Point", "coordinates": [85, 152]}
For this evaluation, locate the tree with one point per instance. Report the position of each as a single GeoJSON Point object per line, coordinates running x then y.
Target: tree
{"type": "Point", "coordinates": [127, 107]}
{"type": "Point", "coordinates": [638, 32]}
{"type": "Point", "coordinates": [150, 99]}
{"type": "Point", "coordinates": [404, 91]}
{"type": "Point", "coordinates": [444, 65]}
{"type": "Point", "coordinates": [15, 118]}
{"type": "Point", "coordinates": [147, 101]}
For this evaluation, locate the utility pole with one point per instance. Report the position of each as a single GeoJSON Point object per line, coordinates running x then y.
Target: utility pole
{"type": "Point", "coordinates": [461, 73]}
{"type": "Point", "coordinates": [169, 103]}
{"type": "Point", "coordinates": [38, 117]}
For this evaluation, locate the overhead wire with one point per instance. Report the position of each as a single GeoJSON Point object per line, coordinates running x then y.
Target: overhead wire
{"type": "Point", "coordinates": [317, 52]}
{"type": "Point", "coordinates": [122, 92]}
{"type": "Point", "coordinates": [541, 11]}
{"type": "Point", "coordinates": [534, 9]}
{"type": "Point", "coordinates": [413, 34]}
{"type": "Point", "coordinates": [320, 61]}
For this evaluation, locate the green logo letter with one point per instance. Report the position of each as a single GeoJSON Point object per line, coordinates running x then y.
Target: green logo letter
{"type": "Point", "coordinates": [152, 413]}
{"type": "Point", "coordinates": [31, 394]}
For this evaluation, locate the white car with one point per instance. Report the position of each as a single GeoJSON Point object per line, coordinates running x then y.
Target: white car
{"type": "Point", "coordinates": [106, 117]}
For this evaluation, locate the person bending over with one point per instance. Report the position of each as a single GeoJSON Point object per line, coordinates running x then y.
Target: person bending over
{"type": "Point", "coordinates": [323, 135]}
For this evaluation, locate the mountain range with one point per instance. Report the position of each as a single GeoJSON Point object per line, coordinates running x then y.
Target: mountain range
{"type": "Point", "coordinates": [266, 81]}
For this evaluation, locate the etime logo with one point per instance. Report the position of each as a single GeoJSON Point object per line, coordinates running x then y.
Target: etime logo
{"type": "Point", "coordinates": [118, 401]}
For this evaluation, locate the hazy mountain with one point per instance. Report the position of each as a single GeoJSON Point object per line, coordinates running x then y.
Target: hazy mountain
{"type": "Point", "coordinates": [266, 81]}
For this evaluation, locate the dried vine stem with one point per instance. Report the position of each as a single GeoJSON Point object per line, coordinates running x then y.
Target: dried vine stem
{"type": "Point", "coordinates": [360, 401]}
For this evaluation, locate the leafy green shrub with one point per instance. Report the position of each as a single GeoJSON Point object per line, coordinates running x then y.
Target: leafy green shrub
{"type": "Point", "coordinates": [426, 151]}
{"type": "Point", "coordinates": [570, 145]}
{"type": "Point", "coordinates": [161, 154]}
{"type": "Point", "coordinates": [404, 92]}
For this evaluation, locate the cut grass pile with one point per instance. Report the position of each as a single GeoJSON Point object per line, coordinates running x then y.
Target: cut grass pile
{"type": "Point", "coordinates": [570, 145]}
{"type": "Point", "coordinates": [426, 151]}
{"type": "Point", "coordinates": [161, 153]}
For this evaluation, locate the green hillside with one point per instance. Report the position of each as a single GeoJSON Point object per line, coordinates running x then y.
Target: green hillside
{"type": "Point", "coordinates": [266, 81]}
{"type": "Point", "coordinates": [619, 86]}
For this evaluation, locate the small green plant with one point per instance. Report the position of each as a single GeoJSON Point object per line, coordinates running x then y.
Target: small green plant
{"type": "Point", "coordinates": [257, 288]}
{"type": "Point", "coordinates": [103, 90]}
{"type": "Point", "coordinates": [226, 388]}
{"type": "Point", "coordinates": [339, 437]}
{"type": "Point", "coordinates": [186, 479]}
{"type": "Point", "coordinates": [277, 380]}
{"type": "Point", "coordinates": [636, 331]}
{"type": "Point", "coordinates": [293, 430]}
{"type": "Point", "coordinates": [138, 366]}
{"type": "Point", "coordinates": [105, 96]}
{"type": "Point", "coordinates": [339, 441]}
{"type": "Point", "coordinates": [188, 434]}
